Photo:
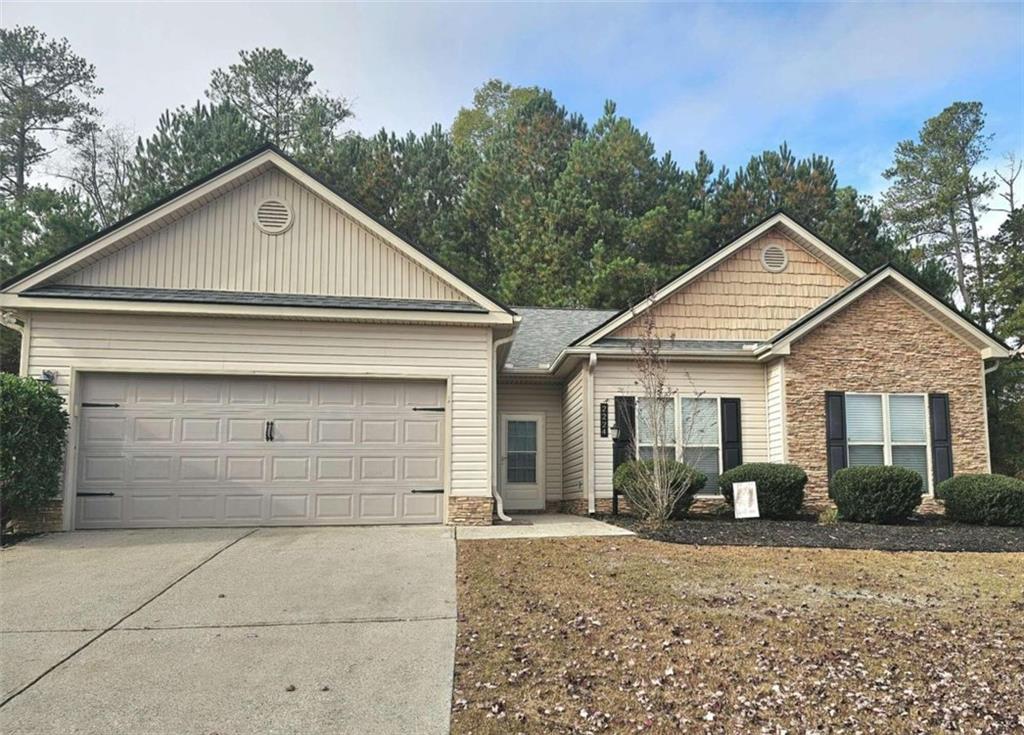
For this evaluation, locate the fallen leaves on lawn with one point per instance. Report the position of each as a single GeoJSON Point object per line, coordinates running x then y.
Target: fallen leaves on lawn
{"type": "Point", "coordinates": [582, 636]}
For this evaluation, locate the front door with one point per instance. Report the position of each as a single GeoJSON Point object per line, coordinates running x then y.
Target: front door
{"type": "Point", "coordinates": [522, 461]}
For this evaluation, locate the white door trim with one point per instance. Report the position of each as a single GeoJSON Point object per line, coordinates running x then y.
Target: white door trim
{"type": "Point", "coordinates": [537, 492]}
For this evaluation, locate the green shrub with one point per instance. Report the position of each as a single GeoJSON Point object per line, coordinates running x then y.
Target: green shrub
{"type": "Point", "coordinates": [780, 487]}
{"type": "Point", "coordinates": [876, 494]}
{"type": "Point", "coordinates": [630, 478]}
{"type": "Point", "coordinates": [33, 430]}
{"type": "Point", "coordinates": [991, 500]}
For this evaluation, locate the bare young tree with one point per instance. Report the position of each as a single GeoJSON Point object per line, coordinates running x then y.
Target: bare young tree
{"type": "Point", "coordinates": [660, 484]}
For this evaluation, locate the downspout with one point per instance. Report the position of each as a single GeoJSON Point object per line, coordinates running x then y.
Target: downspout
{"type": "Point", "coordinates": [496, 430]}
{"type": "Point", "coordinates": [589, 434]}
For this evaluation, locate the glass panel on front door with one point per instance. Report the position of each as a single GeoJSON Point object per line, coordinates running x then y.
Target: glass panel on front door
{"type": "Point", "coordinates": [522, 452]}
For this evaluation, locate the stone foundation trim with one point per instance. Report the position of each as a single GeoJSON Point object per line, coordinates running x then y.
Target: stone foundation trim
{"type": "Point", "coordinates": [470, 511]}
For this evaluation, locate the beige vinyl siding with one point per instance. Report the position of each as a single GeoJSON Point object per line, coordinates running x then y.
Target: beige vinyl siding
{"type": "Point", "coordinates": [545, 399]}
{"type": "Point", "coordinates": [573, 441]}
{"type": "Point", "coordinates": [776, 407]}
{"type": "Point", "coordinates": [219, 247]}
{"type": "Point", "coordinates": [200, 345]}
{"type": "Point", "coordinates": [739, 299]}
{"type": "Point", "coordinates": [745, 381]}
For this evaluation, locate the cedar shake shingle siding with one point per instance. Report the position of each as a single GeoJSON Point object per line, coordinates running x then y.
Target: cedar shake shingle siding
{"type": "Point", "coordinates": [882, 344]}
{"type": "Point", "coordinates": [740, 300]}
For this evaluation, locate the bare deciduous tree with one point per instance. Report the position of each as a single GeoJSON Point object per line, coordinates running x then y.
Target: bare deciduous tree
{"type": "Point", "coordinates": [661, 483]}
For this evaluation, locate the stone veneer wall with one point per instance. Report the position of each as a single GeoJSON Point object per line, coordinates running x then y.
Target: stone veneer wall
{"type": "Point", "coordinates": [881, 343]}
{"type": "Point", "coordinates": [470, 511]}
{"type": "Point", "coordinates": [47, 519]}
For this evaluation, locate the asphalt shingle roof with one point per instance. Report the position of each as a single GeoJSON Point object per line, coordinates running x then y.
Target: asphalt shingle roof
{"type": "Point", "coordinates": [248, 298]}
{"type": "Point", "coordinates": [543, 333]}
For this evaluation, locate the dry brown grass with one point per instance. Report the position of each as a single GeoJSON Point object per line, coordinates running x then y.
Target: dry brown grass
{"type": "Point", "coordinates": [627, 635]}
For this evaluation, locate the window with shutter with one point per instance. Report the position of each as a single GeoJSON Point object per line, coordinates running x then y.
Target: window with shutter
{"type": "Point", "coordinates": [888, 429]}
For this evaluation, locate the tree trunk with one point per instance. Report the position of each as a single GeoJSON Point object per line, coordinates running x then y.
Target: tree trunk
{"type": "Point", "coordinates": [958, 258]}
{"type": "Point", "coordinates": [978, 262]}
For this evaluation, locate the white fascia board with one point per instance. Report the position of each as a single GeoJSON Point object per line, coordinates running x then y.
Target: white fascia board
{"type": "Point", "coordinates": [661, 294]}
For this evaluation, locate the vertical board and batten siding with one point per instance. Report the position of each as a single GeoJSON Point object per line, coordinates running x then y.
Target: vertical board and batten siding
{"type": "Point", "coordinates": [573, 442]}
{"type": "Point", "coordinates": [775, 386]}
{"type": "Point", "coordinates": [219, 247]}
{"type": "Point", "coordinates": [206, 345]}
{"type": "Point", "coordinates": [740, 299]}
{"type": "Point", "coordinates": [726, 380]}
{"type": "Point", "coordinates": [545, 399]}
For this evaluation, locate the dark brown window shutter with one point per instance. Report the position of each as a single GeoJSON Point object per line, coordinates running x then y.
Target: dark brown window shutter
{"type": "Point", "coordinates": [835, 430]}
{"type": "Point", "coordinates": [732, 438]}
{"type": "Point", "coordinates": [622, 442]}
{"type": "Point", "coordinates": [942, 437]}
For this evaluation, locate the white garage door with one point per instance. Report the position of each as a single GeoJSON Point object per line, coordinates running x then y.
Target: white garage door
{"type": "Point", "coordinates": [159, 450]}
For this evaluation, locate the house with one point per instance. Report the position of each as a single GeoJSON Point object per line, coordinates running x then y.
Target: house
{"type": "Point", "coordinates": [255, 349]}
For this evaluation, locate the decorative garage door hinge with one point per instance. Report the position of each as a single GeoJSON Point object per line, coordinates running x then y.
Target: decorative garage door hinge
{"type": "Point", "coordinates": [95, 495]}
{"type": "Point", "coordinates": [432, 491]}
{"type": "Point", "coordinates": [429, 408]}
{"type": "Point", "coordinates": [87, 404]}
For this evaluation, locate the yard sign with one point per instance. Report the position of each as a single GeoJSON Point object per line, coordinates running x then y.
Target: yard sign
{"type": "Point", "coordinates": [744, 496]}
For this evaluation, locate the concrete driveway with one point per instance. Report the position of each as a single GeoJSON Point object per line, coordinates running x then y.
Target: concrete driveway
{"type": "Point", "coordinates": [228, 631]}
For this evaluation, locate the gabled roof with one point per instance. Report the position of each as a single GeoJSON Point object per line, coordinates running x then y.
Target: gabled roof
{"type": "Point", "coordinates": [544, 332]}
{"type": "Point", "coordinates": [790, 227]}
{"type": "Point", "coordinates": [952, 318]}
{"type": "Point", "coordinates": [224, 179]}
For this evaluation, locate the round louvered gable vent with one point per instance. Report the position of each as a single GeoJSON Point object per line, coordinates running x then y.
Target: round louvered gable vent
{"type": "Point", "coordinates": [273, 216]}
{"type": "Point", "coordinates": [774, 258]}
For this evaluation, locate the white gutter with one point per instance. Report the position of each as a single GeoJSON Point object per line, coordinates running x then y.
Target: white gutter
{"type": "Point", "coordinates": [496, 447]}
{"type": "Point", "coordinates": [589, 435]}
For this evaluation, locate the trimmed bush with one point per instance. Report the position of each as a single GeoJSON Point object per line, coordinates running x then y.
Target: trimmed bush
{"type": "Point", "coordinates": [33, 431]}
{"type": "Point", "coordinates": [780, 487]}
{"type": "Point", "coordinates": [990, 500]}
{"type": "Point", "coordinates": [630, 475]}
{"type": "Point", "coordinates": [876, 494]}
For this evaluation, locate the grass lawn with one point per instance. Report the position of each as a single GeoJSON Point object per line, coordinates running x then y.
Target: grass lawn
{"type": "Point", "coordinates": [626, 635]}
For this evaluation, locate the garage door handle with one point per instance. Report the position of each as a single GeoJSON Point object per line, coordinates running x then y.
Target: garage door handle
{"type": "Point", "coordinates": [268, 433]}
{"type": "Point", "coordinates": [432, 491]}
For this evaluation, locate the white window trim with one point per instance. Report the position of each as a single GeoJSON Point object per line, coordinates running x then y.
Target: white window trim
{"type": "Point", "coordinates": [888, 443]}
{"type": "Point", "coordinates": [678, 420]}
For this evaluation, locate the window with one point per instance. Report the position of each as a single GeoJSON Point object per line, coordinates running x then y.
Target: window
{"type": "Point", "coordinates": [701, 438]}
{"type": "Point", "coordinates": [689, 430]}
{"type": "Point", "coordinates": [888, 429]}
{"type": "Point", "coordinates": [522, 452]}
{"type": "Point", "coordinates": [652, 423]}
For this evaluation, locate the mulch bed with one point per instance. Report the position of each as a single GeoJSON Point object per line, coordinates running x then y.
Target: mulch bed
{"type": "Point", "coordinates": [924, 534]}
{"type": "Point", "coordinates": [10, 539]}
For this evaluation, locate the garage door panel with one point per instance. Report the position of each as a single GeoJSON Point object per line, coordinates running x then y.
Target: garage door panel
{"type": "Point", "coordinates": [290, 468]}
{"type": "Point", "coordinates": [425, 506]}
{"type": "Point", "coordinates": [183, 450]}
{"type": "Point", "coordinates": [380, 507]}
{"type": "Point", "coordinates": [336, 431]}
{"type": "Point", "coordinates": [243, 508]}
{"type": "Point", "coordinates": [292, 430]}
{"type": "Point", "coordinates": [288, 507]}
{"type": "Point", "coordinates": [246, 430]}
{"type": "Point", "coordinates": [335, 506]}
{"type": "Point", "coordinates": [199, 469]}
{"type": "Point", "coordinates": [157, 390]}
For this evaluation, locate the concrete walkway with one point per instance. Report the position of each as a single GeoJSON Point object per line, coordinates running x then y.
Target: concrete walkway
{"type": "Point", "coordinates": [311, 630]}
{"type": "Point", "coordinates": [542, 525]}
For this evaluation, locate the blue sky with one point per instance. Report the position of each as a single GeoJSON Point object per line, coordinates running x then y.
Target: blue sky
{"type": "Point", "coordinates": [846, 80]}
